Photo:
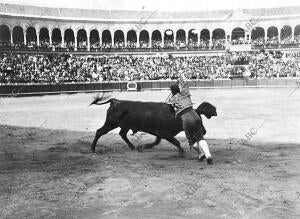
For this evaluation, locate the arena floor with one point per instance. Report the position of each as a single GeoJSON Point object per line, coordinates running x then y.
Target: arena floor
{"type": "Point", "coordinates": [47, 170]}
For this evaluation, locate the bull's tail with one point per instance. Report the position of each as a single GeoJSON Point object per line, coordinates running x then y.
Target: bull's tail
{"type": "Point", "coordinates": [100, 100]}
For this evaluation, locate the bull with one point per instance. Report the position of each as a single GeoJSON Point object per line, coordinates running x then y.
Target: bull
{"type": "Point", "coordinates": [155, 118]}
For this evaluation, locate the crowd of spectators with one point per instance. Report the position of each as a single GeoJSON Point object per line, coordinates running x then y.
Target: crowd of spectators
{"type": "Point", "coordinates": [25, 68]}
{"type": "Point", "coordinates": [156, 44]}
{"type": "Point", "coordinates": [219, 43]}
{"type": "Point", "coordinates": [239, 41]}
{"type": "Point", "coordinates": [258, 42]}
{"type": "Point", "coordinates": [275, 65]}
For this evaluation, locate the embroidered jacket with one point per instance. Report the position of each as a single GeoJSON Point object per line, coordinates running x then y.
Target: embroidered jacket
{"type": "Point", "coordinates": [182, 100]}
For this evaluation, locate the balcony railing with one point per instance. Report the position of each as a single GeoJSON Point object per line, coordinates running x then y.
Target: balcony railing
{"type": "Point", "coordinates": [7, 48]}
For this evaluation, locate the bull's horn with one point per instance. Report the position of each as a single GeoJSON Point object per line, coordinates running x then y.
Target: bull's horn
{"type": "Point", "coordinates": [102, 98]}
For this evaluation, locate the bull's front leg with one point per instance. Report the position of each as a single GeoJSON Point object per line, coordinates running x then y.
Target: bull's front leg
{"type": "Point", "coordinates": [170, 138]}
{"type": "Point", "coordinates": [149, 145]}
{"type": "Point", "coordinates": [102, 131]}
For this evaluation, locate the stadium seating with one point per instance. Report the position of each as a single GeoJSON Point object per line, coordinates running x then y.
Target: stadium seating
{"type": "Point", "coordinates": [28, 68]}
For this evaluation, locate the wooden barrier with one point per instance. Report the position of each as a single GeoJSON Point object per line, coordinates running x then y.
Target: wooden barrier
{"type": "Point", "coordinates": [43, 88]}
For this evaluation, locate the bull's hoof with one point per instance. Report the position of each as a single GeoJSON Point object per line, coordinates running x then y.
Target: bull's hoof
{"type": "Point", "coordinates": [93, 149]}
{"type": "Point", "coordinates": [139, 148]}
{"type": "Point", "coordinates": [209, 160]}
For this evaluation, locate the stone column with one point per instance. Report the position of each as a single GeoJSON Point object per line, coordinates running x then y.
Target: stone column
{"type": "Point", "coordinates": [210, 44]}
{"type": "Point", "coordinates": [150, 40]}
{"type": "Point", "coordinates": [100, 40]}
{"type": "Point", "coordinates": [163, 40]}
{"type": "Point", "coordinates": [63, 39]}
{"type": "Point", "coordinates": [50, 38]}
{"type": "Point", "coordinates": [186, 38]}
{"type": "Point", "coordinates": [266, 37]}
{"type": "Point", "coordinates": [38, 38]}
{"type": "Point", "coordinates": [138, 40]}
{"type": "Point", "coordinates": [24, 34]}
{"type": "Point", "coordinates": [174, 39]}
{"type": "Point", "coordinates": [198, 38]}
{"type": "Point", "coordinates": [100, 37]}
{"type": "Point", "coordinates": [88, 41]}
{"type": "Point", "coordinates": [279, 33]}
{"type": "Point", "coordinates": [75, 39]}
{"type": "Point", "coordinates": [125, 39]}
{"type": "Point", "coordinates": [113, 40]}
{"type": "Point", "coordinates": [11, 37]}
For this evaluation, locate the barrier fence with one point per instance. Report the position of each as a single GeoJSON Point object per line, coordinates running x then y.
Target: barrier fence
{"type": "Point", "coordinates": [46, 88]}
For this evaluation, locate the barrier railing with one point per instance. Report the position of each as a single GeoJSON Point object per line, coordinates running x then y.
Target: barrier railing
{"type": "Point", "coordinates": [46, 88]}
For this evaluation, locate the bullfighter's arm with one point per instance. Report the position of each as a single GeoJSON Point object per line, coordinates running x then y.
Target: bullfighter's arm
{"type": "Point", "coordinates": [171, 101]}
{"type": "Point", "coordinates": [183, 84]}
{"type": "Point", "coordinates": [174, 102]}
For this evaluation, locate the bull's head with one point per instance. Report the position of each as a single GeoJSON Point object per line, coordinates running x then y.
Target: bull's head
{"type": "Point", "coordinates": [207, 109]}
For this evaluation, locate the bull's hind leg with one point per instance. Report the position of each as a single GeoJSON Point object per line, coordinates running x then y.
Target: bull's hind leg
{"type": "Point", "coordinates": [102, 131]}
{"type": "Point", "coordinates": [150, 145]}
{"type": "Point", "coordinates": [123, 133]}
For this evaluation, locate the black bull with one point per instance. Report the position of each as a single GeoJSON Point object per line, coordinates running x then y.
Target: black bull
{"type": "Point", "coordinates": [154, 118]}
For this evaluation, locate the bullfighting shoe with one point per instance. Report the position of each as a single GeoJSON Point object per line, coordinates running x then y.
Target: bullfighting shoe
{"type": "Point", "coordinates": [209, 160]}
{"type": "Point", "coordinates": [201, 157]}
